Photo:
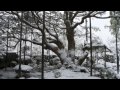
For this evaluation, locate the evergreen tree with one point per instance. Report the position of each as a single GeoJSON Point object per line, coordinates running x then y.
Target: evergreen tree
{"type": "Point", "coordinates": [115, 23]}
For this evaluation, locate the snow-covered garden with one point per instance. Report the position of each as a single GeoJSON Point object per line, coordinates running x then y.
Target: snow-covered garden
{"type": "Point", "coordinates": [59, 45]}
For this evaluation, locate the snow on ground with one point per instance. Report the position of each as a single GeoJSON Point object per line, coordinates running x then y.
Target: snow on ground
{"type": "Point", "coordinates": [35, 75]}
{"type": "Point", "coordinates": [99, 66]}
{"type": "Point", "coordinates": [69, 74]}
{"type": "Point", "coordinates": [8, 74]}
{"type": "Point", "coordinates": [111, 67]}
{"type": "Point", "coordinates": [108, 65]}
{"type": "Point", "coordinates": [33, 78]}
{"type": "Point", "coordinates": [65, 73]}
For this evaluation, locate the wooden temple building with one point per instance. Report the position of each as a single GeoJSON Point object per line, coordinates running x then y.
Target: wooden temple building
{"type": "Point", "coordinates": [100, 51]}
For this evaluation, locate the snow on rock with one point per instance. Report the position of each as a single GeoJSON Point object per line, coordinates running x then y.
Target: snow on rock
{"type": "Point", "coordinates": [52, 45]}
{"type": "Point", "coordinates": [99, 66]}
{"type": "Point", "coordinates": [101, 61]}
{"type": "Point", "coordinates": [22, 78]}
{"type": "Point", "coordinates": [118, 76]}
{"type": "Point", "coordinates": [81, 69]}
{"type": "Point", "coordinates": [56, 58]}
{"type": "Point", "coordinates": [23, 68]}
{"type": "Point", "coordinates": [26, 57]}
{"type": "Point", "coordinates": [57, 74]}
{"type": "Point", "coordinates": [62, 68]}
{"type": "Point", "coordinates": [110, 65]}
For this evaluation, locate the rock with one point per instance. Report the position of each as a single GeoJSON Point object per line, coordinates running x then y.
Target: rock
{"type": "Point", "coordinates": [54, 61]}
{"type": "Point", "coordinates": [62, 68]}
{"type": "Point", "coordinates": [24, 68]}
{"type": "Point", "coordinates": [13, 63]}
{"type": "Point", "coordinates": [59, 66]}
{"type": "Point", "coordinates": [57, 74]}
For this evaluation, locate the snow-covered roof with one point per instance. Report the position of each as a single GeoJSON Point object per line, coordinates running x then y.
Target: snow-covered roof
{"type": "Point", "coordinates": [96, 46]}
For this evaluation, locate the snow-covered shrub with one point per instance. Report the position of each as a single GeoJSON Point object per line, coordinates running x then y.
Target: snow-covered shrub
{"type": "Point", "coordinates": [54, 61]}
{"type": "Point", "coordinates": [24, 68]}
{"type": "Point", "coordinates": [38, 58]}
{"type": "Point", "coordinates": [106, 73]}
{"type": "Point", "coordinates": [22, 78]}
{"type": "Point", "coordinates": [58, 66]}
{"type": "Point", "coordinates": [27, 60]}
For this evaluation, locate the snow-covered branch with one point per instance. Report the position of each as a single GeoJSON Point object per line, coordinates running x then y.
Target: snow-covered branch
{"type": "Point", "coordinates": [76, 13]}
{"type": "Point", "coordinates": [24, 21]}
{"type": "Point", "coordinates": [83, 18]}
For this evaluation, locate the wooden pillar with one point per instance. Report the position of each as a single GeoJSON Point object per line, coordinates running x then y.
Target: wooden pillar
{"type": "Point", "coordinates": [86, 31]}
{"type": "Point", "coordinates": [42, 75]}
{"type": "Point", "coordinates": [20, 47]}
{"type": "Point", "coordinates": [105, 56]}
{"type": "Point", "coordinates": [91, 48]}
{"type": "Point", "coordinates": [31, 42]}
{"type": "Point", "coordinates": [117, 53]}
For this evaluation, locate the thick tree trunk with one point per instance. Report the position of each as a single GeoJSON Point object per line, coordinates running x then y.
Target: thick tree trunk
{"type": "Point", "coordinates": [71, 43]}
{"type": "Point", "coordinates": [70, 34]}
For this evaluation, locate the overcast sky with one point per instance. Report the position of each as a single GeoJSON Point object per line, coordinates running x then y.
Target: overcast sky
{"type": "Point", "coordinates": [105, 33]}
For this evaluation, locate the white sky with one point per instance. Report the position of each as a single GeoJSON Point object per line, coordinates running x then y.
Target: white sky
{"type": "Point", "coordinates": [105, 33]}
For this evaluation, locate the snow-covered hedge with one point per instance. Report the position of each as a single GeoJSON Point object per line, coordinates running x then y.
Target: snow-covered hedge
{"type": "Point", "coordinates": [27, 60]}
